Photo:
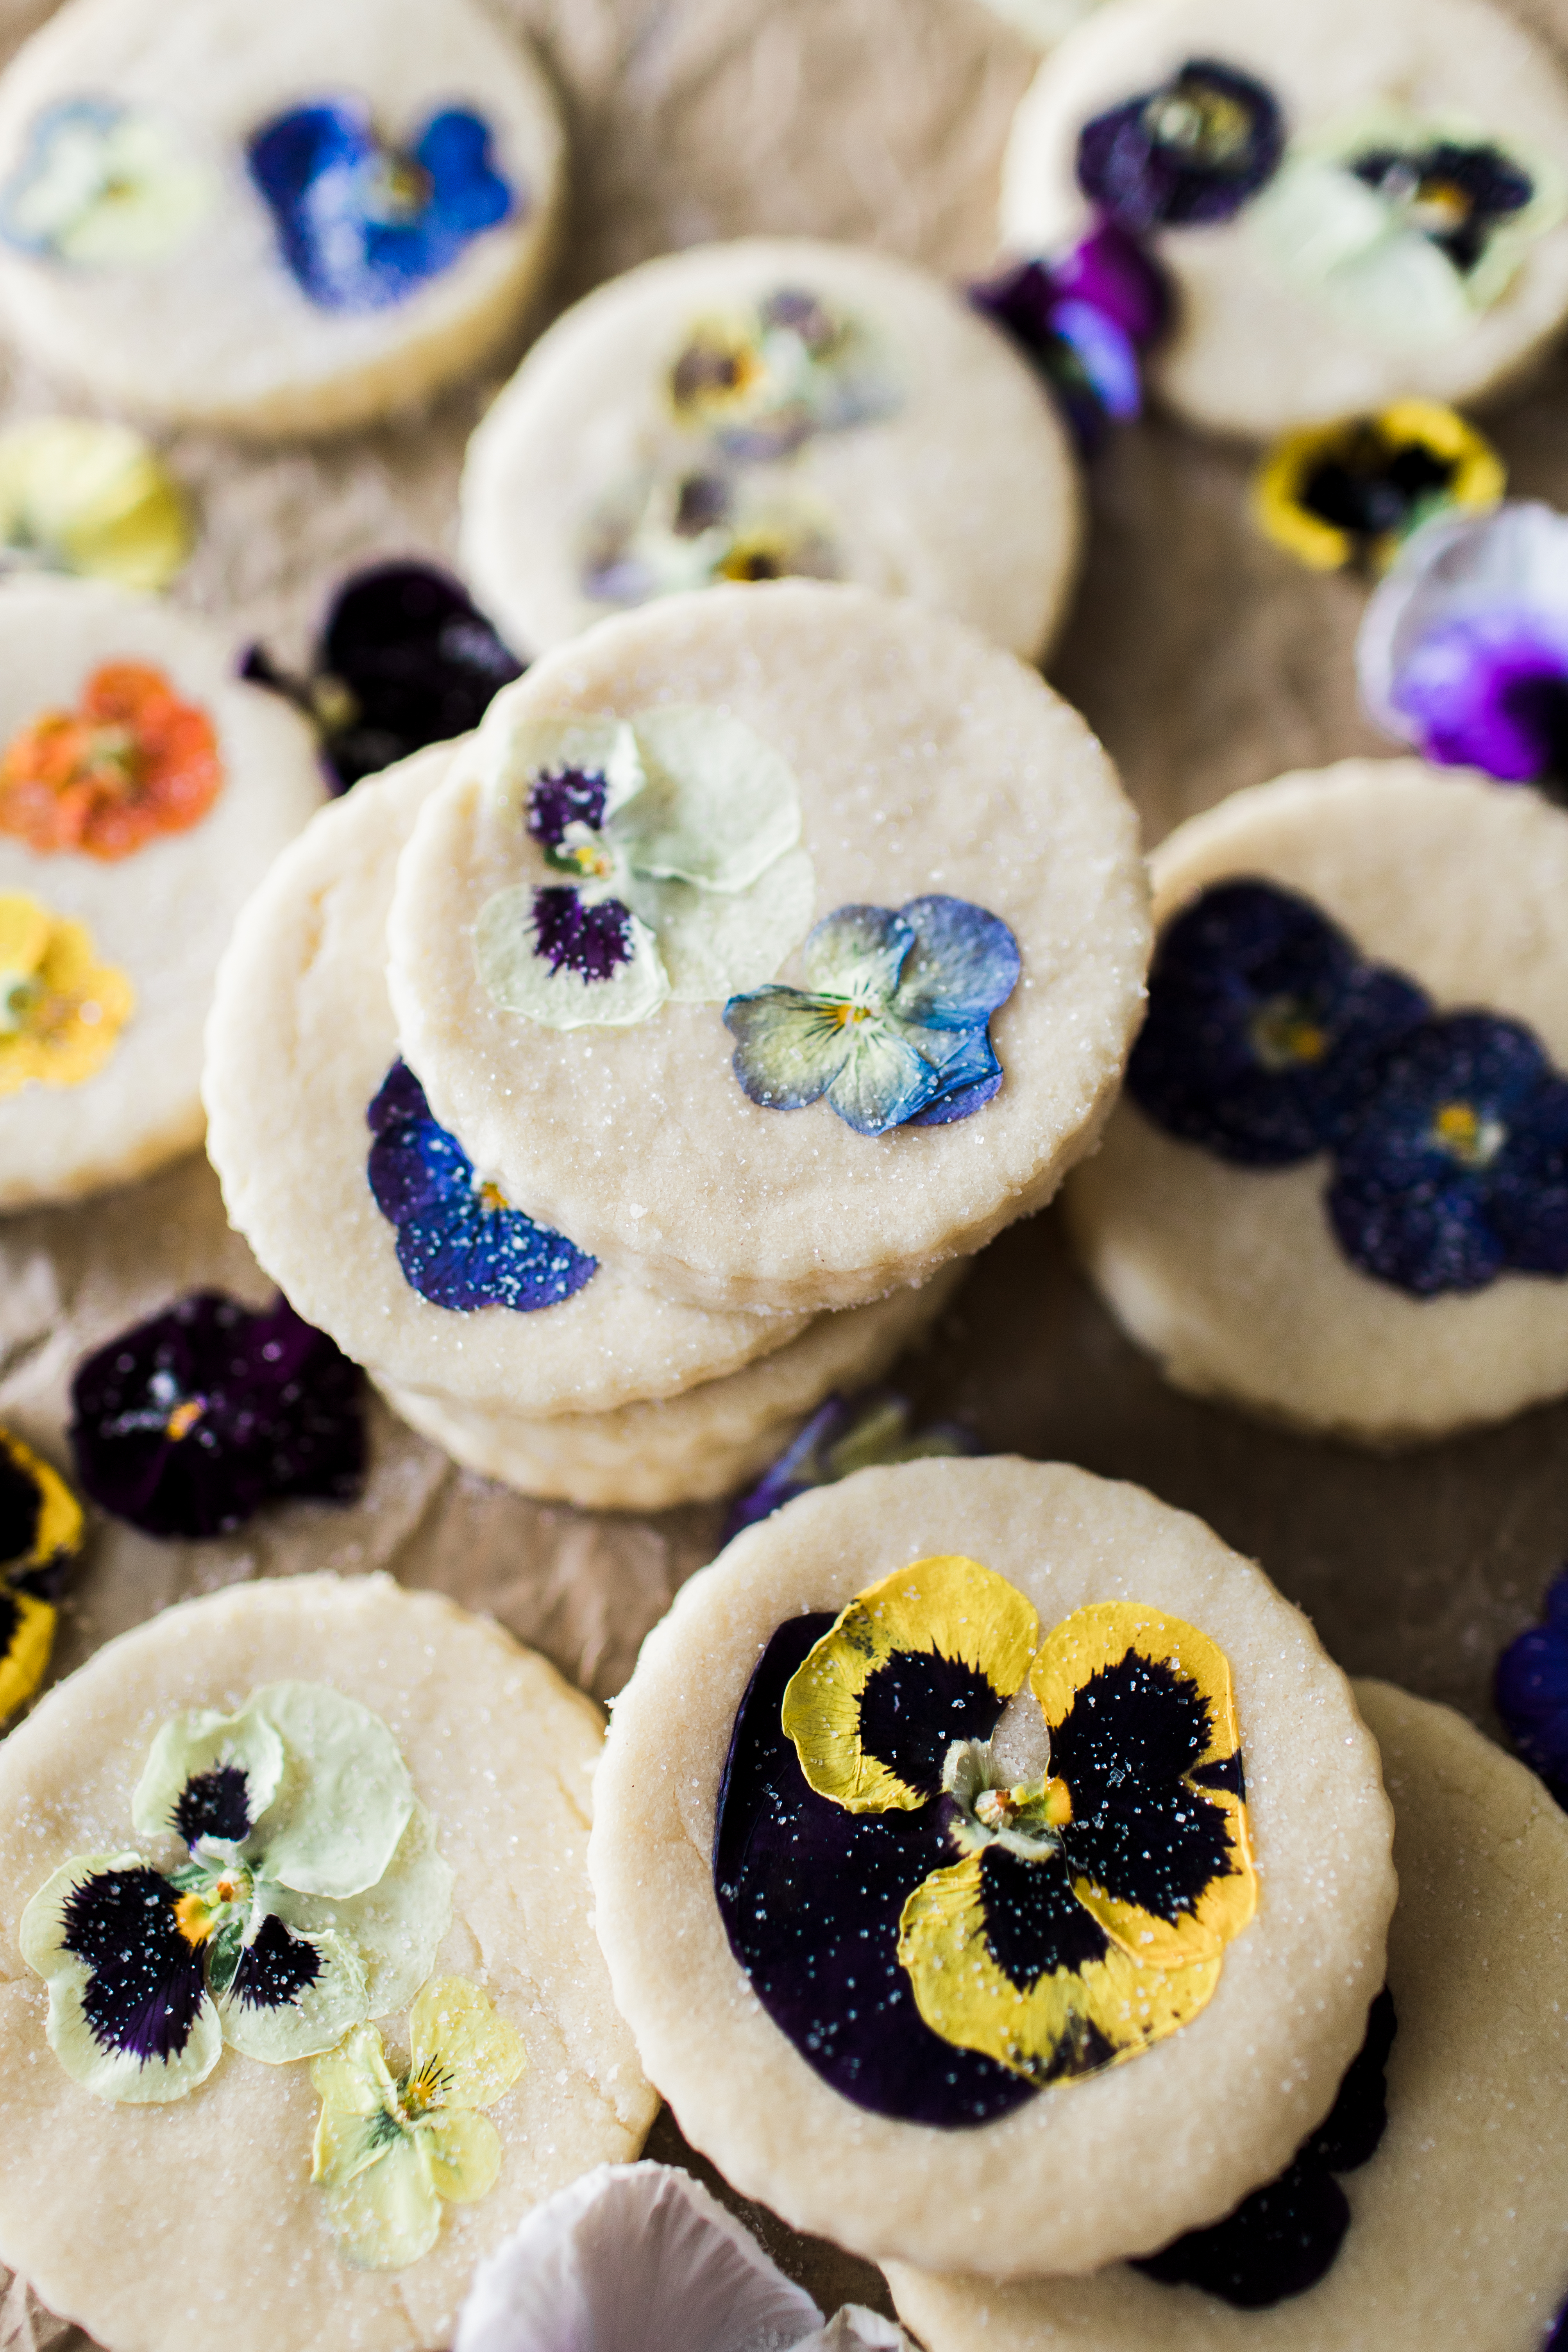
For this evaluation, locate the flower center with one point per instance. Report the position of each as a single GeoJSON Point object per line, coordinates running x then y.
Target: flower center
{"type": "Point", "coordinates": [19, 995]}
{"type": "Point", "coordinates": [396, 191]}
{"type": "Point", "coordinates": [1024, 1816]}
{"type": "Point", "coordinates": [1284, 1035]}
{"type": "Point", "coordinates": [1206, 124]}
{"type": "Point", "coordinates": [583, 852]}
{"type": "Point", "coordinates": [1467, 1135]}
{"type": "Point", "coordinates": [200, 1912]}
{"type": "Point", "coordinates": [490, 1196]}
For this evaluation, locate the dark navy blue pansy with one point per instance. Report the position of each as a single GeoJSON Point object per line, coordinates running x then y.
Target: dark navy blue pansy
{"type": "Point", "coordinates": [1531, 1691]}
{"type": "Point", "coordinates": [459, 1243]}
{"type": "Point", "coordinates": [1265, 1026]}
{"type": "Point", "coordinates": [1186, 155]}
{"type": "Point", "coordinates": [361, 224]}
{"type": "Point", "coordinates": [1457, 1168]}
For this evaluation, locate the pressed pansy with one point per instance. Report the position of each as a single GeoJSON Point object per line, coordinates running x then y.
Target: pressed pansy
{"type": "Point", "coordinates": [1405, 229]}
{"type": "Point", "coordinates": [1186, 155]}
{"type": "Point", "coordinates": [958, 1863]}
{"type": "Point", "coordinates": [187, 1423]}
{"type": "Point", "coordinates": [61, 1011]}
{"type": "Point", "coordinates": [104, 185]}
{"type": "Point", "coordinates": [846, 1435]}
{"type": "Point", "coordinates": [692, 526]}
{"type": "Point", "coordinates": [1084, 321]}
{"type": "Point", "coordinates": [1334, 495]}
{"type": "Point", "coordinates": [40, 1535]}
{"type": "Point", "coordinates": [131, 762]}
{"type": "Point", "coordinates": [1265, 1025]}
{"type": "Point", "coordinates": [664, 864]}
{"type": "Point", "coordinates": [361, 224]}
{"type": "Point", "coordinates": [389, 2149]}
{"type": "Point", "coordinates": [893, 1026]}
{"type": "Point", "coordinates": [309, 1895]}
{"type": "Point", "coordinates": [1463, 650]}
{"type": "Point", "coordinates": [404, 659]}
{"type": "Point", "coordinates": [758, 382]}
{"type": "Point", "coordinates": [459, 1244]}
{"type": "Point", "coordinates": [1531, 1690]}
{"type": "Point", "coordinates": [79, 495]}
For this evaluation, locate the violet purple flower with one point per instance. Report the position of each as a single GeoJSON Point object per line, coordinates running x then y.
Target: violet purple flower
{"type": "Point", "coordinates": [1531, 1691]}
{"type": "Point", "coordinates": [846, 1435]}
{"type": "Point", "coordinates": [1187, 155]}
{"type": "Point", "coordinates": [1083, 321]}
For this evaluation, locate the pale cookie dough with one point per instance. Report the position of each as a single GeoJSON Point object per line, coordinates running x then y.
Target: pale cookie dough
{"type": "Point", "coordinates": [1087, 2171]}
{"type": "Point", "coordinates": [1233, 1275]}
{"type": "Point", "coordinates": [946, 474]}
{"type": "Point", "coordinates": [1458, 2232]}
{"type": "Point", "coordinates": [192, 313]}
{"type": "Point", "coordinates": [162, 916]}
{"type": "Point", "coordinates": [926, 762]}
{"type": "Point", "coordinates": [1255, 350]}
{"type": "Point", "coordinates": [707, 1442]}
{"type": "Point", "coordinates": [152, 2225]}
{"type": "Point", "coordinates": [301, 1038]}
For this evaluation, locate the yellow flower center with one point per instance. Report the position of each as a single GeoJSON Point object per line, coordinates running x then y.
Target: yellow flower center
{"type": "Point", "coordinates": [19, 994]}
{"type": "Point", "coordinates": [1203, 122]}
{"type": "Point", "coordinates": [1459, 1129]}
{"type": "Point", "coordinates": [490, 1196]}
{"type": "Point", "coordinates": [185, 1417]}
{"type": "Point", "coordinates": [1284, 1035]}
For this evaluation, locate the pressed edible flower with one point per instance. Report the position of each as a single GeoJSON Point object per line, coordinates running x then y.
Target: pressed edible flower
{"type": "Point", "coordinates": [1334, 495]}
{"type": "Point", "coordinates": [133, 761]}
{"type": "Point", "coordinates": [309, 1895]}
{"type": "Point", "coordinates": [103, 186]}
{"type": "Point", "coordinates": [693, 525]}
{"type": "Point", "coordinates": [77, 494]}
{"type": "Point", "coordinates": [846, 1435]}
{"type": "Point", "coordinates": [390, 2148]}
{"type": "Point", "coordinates": [1084, 320]}
{"type": "Point", "coordinates": [1531, 1690]}
{"type": "Point", "coordinates": [187, 1423]}
{"type": "Point", "coordinates": [758, 382]}
{"type": "Point", "coordinates": [61, 1011]}
{"type": "Point", "coordinates": [1186, 155]}
{"type": "Point", "coordinates": [40, 1535]}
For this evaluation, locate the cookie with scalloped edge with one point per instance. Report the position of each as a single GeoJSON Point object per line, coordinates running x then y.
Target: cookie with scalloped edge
{"type": "Point", "coordinates": [1482, 1857]}
{"type": "Point", "coordinates": [284, 220]}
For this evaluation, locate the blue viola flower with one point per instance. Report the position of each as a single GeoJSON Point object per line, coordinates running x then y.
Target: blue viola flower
{"type": "Point", "coordinates": [458, 1243]}
{"type": "Point", "coordinates": [1083, 320]}
{"type": "Point", "coordinates": [1265, 1026]}
{"type": "Point", "coordinates": [1184, 156]}
{"type": "Point", "coordinates": [893, 1027]}
{"type": "Point", "coordinates": [363, 225]}
{"type": "Point", "coordinates": [1531, 1691]}
{"type": "Point", "coordinates": [1457, 1170]}
{"type": "Point", "coordinates": [846, 1435]}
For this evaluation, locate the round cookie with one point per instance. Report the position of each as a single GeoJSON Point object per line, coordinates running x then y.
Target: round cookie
{"type": "Point", "coordinates": [927, 768]}
{"type": "Point", "coordinates": [1482, 1857]}
{"type": "Point", "coordinates": [1240, 1276]}
{"type": "Point", "coordinates": [287, 220]}
{"type": "Point", "coordinates": [706, 1442]}
{"type": "Point", "coordinates": [300, 1040]}
{"type": "Point", "coordinates": [1094, 2168]}
{"type": "Point", "coordinates": [771, 407]}
{"type": "Point", "coordinates": [1301, 295]}
{"type": "Point", "coordinates": [144, 790]}
{"type": "Point", "coordinates": [501, 1753]}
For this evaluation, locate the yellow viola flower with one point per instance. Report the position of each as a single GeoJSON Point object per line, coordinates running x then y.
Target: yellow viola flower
{"type": "Point", "coordinates": [78, 495]}
{"type": "Point", "coordinates": [40, 1535]}
{"type": "Point", "coordinates": [389, 2149]}
{"type": "Point", "coordinates": [61, 1011]}
{"type": "Point", "coordinates": [1352, 492]}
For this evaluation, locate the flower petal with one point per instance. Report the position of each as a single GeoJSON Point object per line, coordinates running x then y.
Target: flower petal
{"type": "Point", "coordinates": [395, 1925]}
{"type": "Point", "coordinates": [886, 1079]}
{"type": "Point", "coordinates": [721, 805]}
{"type": "Point", "coordinates": [715, 945]}
{"type": "Point", "coordinates": [465, 2154]}
{"type": "Point", "coordinates": [516, 753]}
{"type": "Point", "coordinates": [527, 970]}
{"type": "Point", "coordinates": [859, 952]}
{"type": "Point", "coordinates": [346, 1797]}
{"type": "Point", "coordinates": [384, 2214]}
{"type": "Point", "coordinates": [963, 964]}
{"type": "Point", "coordinates": [40, 1520]}
{"type": "Point", "coordinates": [355, 2079]}
{"type": "Point", "coordinates": [291, 1996]}
{"type": "Point", "coordinates": [789, 1046]}
{"type": "Point", "coordinates": [208, 1775]}
{"type": "Point", "coordinates": [26, 1640]}
{"type": "Point", "coordinates": [969, 1075]}
{"type": "Point", "coordinates": [927, 1655]}
{"type": "Point", "coordinates": [130, 2017]}
{"type": "Point", "coordinates": [456, 2030]}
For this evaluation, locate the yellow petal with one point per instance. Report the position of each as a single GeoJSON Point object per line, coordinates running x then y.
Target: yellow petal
{"type": "Point", "coordinates": [58, 1533]}
{"type": "Point", "coordinates": [27, 1646]}
{"type": "Point", "coordinates": [465, 2153]}
{"type": "Point", "coordinates": [355, 2079]}
{"type": "Point", "coordinates": [1277, 506]}
{"type": "Point", "coordinates": [23, 933]}
{"type": "Point", "coordinates": [388, 2214]}
{"type": "Point", "coordinates": [464, 2053]}
{"type": "Point", "coordinates": [94, 498]}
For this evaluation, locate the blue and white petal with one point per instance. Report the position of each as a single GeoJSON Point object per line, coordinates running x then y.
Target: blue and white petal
{"type": "Point", "coordinates": [346, 1798]}
{"type": "Point", "coordinates": [963, 964]}
{"type": "Point", "coordinates": [971, 1075]}
{"type": "Point", "coordinates": [789, 1045]}
{"type": "Point", "coordinates": [859, 952]}
{"type": "Point", "coordinates": [209, 1776]}
{"type": "Point", "coordinates": [885, 1079]}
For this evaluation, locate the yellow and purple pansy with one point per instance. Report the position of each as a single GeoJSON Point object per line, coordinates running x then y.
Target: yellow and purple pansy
{"type": "Point", "coordinates": [1353, 492]}
{"type": "Point", "coordinates": [666, 863]}
{"type": "Point", "coordinates": [893, 1026]}
{"type": "Point", "coordinates": [757, 382]}
{"type": "Point", "coordinates": [692, 525]}
{"type": "Point", "coordinates": [1186, 155]}
{"type": "Point", "coordinates": [959, 1863]}
{"type": "Point", "coordinates": [61, 1011]}
{"type": "Point", "coordinates": [1407, 230]}
{"type": "Point", "coordinates": [362, 225]}
{"type": "Point", "coordinates": [459, 1243]}
{"type": "Point", "coordinates": [104, 185]}
{"type": "Point", "coordinates": [307, 1895]}
{"type": "Point", "coordinates": [390, 2150]}
{"type": "Point", "coordinates": [40, 1535]}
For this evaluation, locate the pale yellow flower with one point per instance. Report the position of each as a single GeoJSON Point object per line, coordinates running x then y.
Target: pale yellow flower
{"type": "Point", "coordinates": [61, 1011]}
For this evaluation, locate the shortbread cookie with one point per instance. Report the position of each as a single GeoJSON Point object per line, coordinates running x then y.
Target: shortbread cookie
{"type": "Point", "coordinates": [496, 1756]}
{"type": "Point", "coordinates": [1336, 1187]}
{"type": "Point", "coordinates": [1355, 204]}
{"type": "Point", "coordinates": [707, 1441]}
{"type": "Point", "coordinates": [143, 790]}
{"type": "Point", "coordinates": [847, 1991]}
{"type": "Point", "coordinates": [775, 406]}
{"type": "Point", "coordinates": [593, 910]}
{"type": "Point", "coordinates": [278, 220]}
{"type": "Point", "coordinates": [1482, 1857]}
{"type": "Point", "coordinates": [299, 1049]}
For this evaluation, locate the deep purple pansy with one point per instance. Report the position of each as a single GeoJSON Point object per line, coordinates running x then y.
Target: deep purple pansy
{"type": "Point", "coordinates": [1187, 155]}
{"type": "Point", "coordinates": [1531, 1691]}
{"type": "Point", "coordinates": [402, 660]}
{"type": "Point", "coordinates": [361, 224]}
{"type": "Point", "coordinates": [187, 1423]}
{"type": "Point", "coordinates": [1083, 320]}
{"type": "Point", "coordinates": [846, 1435]}
{"type": "Point", "coordinates": [458, 1243]}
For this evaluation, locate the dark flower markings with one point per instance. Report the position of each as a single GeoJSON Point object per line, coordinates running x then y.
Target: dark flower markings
{"type": "Point", "coordinates": [458, 1243]}
{"type": "Point", "coordinates": [146, 1981]}
{"type": "Point", "coordinates": [1531, 1691]}
{"type": "Point", "coordinates": [21, 1511]}
{"type": "Point", "coordinates": [214, 1804]}
{"type": "Point", "coordinates": [188, 1423]}
{"type": "Point", "coordinates": [1187, 155]}
{"type": "Point", "coordinates": [1269, 1040]}
{"type": "Point", "coordinates": [275, 1969]}
{"type": "Point", "coordinates": [569, 796]}
{"type": "Point", "coordinates": [1285, 2237]}
{"type": "Point", "coordinates": [1454, 194]}
{"type": "Point", "coordinates": [1084, 321]}
{"type": "Point", "coordinates": [362, 226]}
{"type": "Point", "coordinates": [592, 937]}
{"type": "Point", "coordinates": [1371, 487]}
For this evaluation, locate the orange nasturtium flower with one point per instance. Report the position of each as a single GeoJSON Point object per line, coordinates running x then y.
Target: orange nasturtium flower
{"type": "Point", "coordinates": [131, 763]}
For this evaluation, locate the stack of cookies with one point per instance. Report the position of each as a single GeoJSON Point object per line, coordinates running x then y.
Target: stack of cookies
{"type": "Point", "coordinates": [620, 1082]}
